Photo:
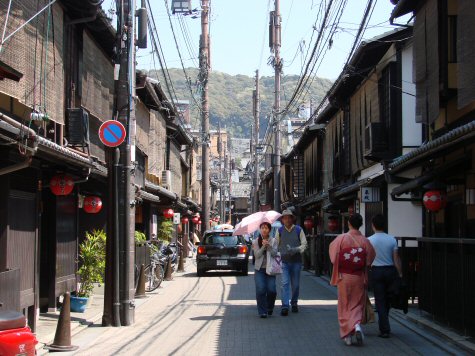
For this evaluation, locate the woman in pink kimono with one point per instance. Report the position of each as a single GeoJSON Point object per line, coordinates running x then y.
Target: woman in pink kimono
{"type": "Point", "coordinates": [351, 253]}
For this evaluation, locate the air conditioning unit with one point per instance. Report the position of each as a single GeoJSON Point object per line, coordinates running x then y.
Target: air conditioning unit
{"type": "Point", "coordinates": [376, 141]}
{"type": "Point", "coordinates": [166, 181]}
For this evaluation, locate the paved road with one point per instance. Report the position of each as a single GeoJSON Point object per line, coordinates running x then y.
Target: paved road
{"type": "Point", "coordinates": [216, 315]}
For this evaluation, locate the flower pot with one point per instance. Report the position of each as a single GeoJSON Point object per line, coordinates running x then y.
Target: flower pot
{"type": "Point", "coordinates": [78, 304]}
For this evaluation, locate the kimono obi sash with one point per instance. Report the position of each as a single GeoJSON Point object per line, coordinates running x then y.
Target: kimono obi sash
{"type": "Point", "coordinates": [352, 260]}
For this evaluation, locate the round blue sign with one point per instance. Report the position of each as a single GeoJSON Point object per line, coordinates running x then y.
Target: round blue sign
{"type": "Point", "coordinates": [112, 133]}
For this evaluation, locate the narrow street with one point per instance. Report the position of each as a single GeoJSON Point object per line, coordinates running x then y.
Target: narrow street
{"type": "Point", "coordinates": [216, 315]}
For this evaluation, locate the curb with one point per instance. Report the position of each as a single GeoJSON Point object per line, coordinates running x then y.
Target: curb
{"type": "Point", "coordinates": [411, 321]}
{"type": "Point", "coordinates": [76, 328]}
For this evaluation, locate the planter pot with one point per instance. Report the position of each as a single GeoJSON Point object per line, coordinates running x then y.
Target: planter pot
{"type": "Point", "coordinates": [78, 304]}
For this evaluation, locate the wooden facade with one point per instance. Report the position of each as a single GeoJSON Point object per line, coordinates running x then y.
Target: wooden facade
{"type": "Point", "coordinates": [40, 232]}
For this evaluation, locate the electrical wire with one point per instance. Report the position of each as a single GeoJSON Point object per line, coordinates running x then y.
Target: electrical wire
{"type": "Point", "coordinates": [159, 51]}
{"type": "Point", "coordinates": [187, 78]}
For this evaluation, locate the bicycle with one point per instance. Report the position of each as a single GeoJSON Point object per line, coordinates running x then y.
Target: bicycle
{"type": "Point", "coordinates": [154, 272]}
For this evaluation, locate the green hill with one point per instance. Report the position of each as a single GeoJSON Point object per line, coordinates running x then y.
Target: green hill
{"type": "Point", "coordinates": [230, 97]}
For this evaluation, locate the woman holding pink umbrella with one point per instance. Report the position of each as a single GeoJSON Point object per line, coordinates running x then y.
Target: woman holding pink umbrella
{"type": "Point", "coordinates": [264, 248]}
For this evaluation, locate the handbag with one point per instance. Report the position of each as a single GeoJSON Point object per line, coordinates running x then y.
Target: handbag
{"type": "Point", "coordinates": [368, 312]}
{"type": "Point", "coordinates": [276, 264]}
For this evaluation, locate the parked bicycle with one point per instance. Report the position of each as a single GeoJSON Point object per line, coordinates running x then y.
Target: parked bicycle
{"type": "Point", "coordinates": [155, 270]}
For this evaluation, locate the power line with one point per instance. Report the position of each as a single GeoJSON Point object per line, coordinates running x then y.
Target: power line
{"type": "Point", "coordinates": [161, 58]}
{"type": "Point", "coordinates": [187, 79]}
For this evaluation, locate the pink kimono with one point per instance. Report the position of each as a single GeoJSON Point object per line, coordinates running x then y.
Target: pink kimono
{"type": "Point", "coordinates": [351, 286]}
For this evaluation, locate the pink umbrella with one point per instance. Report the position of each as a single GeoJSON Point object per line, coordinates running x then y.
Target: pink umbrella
{"type": "Point", "coordinates": [252, 222]}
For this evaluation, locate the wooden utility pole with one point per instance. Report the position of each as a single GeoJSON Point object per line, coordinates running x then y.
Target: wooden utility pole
{"type": "Point", "coordinates": [206, 141]}
{"type": "Point", "coordinates": [119, 307]}
{"type": "Point", "coordinates": [257, 109]}
{"type": "Point", "coordinates": [221, 193]}
{"type": "Point", "coordinates": [275, 42]}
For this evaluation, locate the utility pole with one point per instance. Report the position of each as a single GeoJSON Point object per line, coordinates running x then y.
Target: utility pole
{"type": "Point", "coordinates": [119, 306]}
{"type": "Point", "coordinates": [257, 109]}
{"type": "Point", "coordinates": [275, 43]}
{"type": "Point", "coordinates": [204, 73]}
{"type": "Point", "coordinates": [221, 195]}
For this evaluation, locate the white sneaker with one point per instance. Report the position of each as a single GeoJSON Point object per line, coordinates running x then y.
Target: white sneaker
{"type": "Point", "coordinates": [359, 334]}
{"type": "Point", "coordinates": [347, 340]}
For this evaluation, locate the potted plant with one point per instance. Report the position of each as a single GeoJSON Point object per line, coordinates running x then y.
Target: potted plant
{"type": "Point", "coordinates": [165, 230]}
{"type": "Point", "coordinates": [92, 255]}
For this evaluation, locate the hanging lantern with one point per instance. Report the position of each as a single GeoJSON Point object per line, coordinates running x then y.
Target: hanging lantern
{"type": "Point", "coordinates": [195, 219]}
{"type": "Point", "coordinates": [168, 213]}
{"type": "Point", "coordinates": [308, 223]}
{"type": "Point", "coordinates": [333, 224]}
{"type": "Point", "coordinates": [92, 205]}
{"type": "Point", "coordinates": [61, 184]}
{"type": "Point", "coordinates": [199, 221]}
{"type": "Point", "coordinates": [184, 220]}
{"type": "Point", "coordinates": [434, 200]}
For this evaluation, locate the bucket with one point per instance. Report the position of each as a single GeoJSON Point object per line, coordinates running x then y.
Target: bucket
{"type": "Point", "coordinates": [78, 304]}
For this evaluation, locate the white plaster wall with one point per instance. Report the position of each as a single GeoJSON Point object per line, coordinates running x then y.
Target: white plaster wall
{"type": "Point", "coordinates": [411, 131]}
{"type": "Point", "coordinates": [404, 217]}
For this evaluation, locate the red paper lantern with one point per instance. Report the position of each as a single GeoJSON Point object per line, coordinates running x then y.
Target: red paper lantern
{"type": "Point", "coordinates": [434, 200]}
{"type": "Point", "coordinates": [308, 223]}
{"type": "Point", "coordinates": [199, 221]}
{"type": "Point", "coordinates": [168, 213]}
{"type": "Point", "coordinates": [61, 184]}
{"type": "Point", "coordinates": [92, 205]}
{"type": "Point", "coordinates": [184, 220]}
{"type": "Point", "coordinates": [195, 219]}
{"type": "Point", "coordinates": [332, 224]}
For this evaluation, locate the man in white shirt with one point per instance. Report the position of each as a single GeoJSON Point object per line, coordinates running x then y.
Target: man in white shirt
{"type": "Point", "coordinates": [384, 270]}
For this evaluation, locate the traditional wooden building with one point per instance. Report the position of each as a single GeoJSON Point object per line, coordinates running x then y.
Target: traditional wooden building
{"type": "Point", "coordinates": [56, 89]}
{"type": "Point", "coordinates": [442, 168]}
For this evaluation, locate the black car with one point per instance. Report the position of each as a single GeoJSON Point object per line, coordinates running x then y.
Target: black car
{"type": "Point", "coordinates": [220, 250]}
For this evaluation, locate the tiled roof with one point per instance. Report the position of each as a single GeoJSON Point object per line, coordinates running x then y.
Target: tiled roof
{"type": "Point", "coordinates": [457, 135]}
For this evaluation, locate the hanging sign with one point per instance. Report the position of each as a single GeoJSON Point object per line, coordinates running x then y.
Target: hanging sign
{"type": "Point", "coordinates": [112, 133]}
{"type": "Point", "coordinates": [370, 194]}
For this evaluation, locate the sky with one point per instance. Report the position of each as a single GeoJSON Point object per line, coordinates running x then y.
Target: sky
{"type": "Point", "coordinates": [239, 35]}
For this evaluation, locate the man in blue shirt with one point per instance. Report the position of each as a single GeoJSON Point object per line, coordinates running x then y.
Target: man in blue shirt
{"type": "Point", "coordinates": [384, 270]}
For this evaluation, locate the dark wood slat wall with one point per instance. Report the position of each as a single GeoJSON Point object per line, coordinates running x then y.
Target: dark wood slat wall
{"type": "Point", "coordinates": [22, 242]}
{"type": "Point", "coordinates": [66, 239]}
{"type": "Point", "coordinates": [10, 291]}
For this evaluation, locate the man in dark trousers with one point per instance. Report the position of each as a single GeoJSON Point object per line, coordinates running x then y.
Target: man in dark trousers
{"type": "Point", "coordinates": [291, 245]}
{"type": "Point", "coordinates": [384, 270]}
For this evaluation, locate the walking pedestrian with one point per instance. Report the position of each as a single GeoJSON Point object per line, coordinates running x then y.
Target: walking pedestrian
{"type": "Point", "coordinates": [350, 254]}
{"type": "Point", "coordinates": [385, 269]}
{"type": "Point", "coordinates": [264, 248]}
{"type": "Point", "coordinates": [291, 244]}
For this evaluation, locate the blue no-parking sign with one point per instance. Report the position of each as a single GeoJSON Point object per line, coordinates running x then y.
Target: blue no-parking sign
{"type": "Point", "coordinates": [112, 133]}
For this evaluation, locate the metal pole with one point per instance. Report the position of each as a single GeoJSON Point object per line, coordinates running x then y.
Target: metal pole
{"type": "Point", "coordinates": [277, 69]}
{"type": "Point", "coordinates": [256, 142]}
{"type": "Point", "coordinates": [204, 72]}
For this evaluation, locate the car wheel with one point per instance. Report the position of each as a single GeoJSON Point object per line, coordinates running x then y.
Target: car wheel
{"type": "Point", "coordinates": [200, 272]}
{"type": "Point", "coordinates": [244, 271]}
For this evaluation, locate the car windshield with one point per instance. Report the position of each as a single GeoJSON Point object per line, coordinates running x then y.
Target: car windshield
{"type": "Point", "coordinates": [222, 238]}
